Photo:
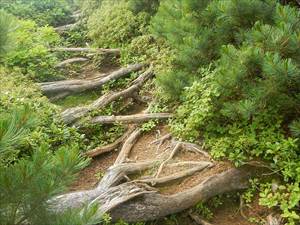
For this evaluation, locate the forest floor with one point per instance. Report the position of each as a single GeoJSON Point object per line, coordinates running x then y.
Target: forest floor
{"type": "Point", "coordinates": [145, 149]}
{"type": "Point", "coordinates": [228, 213]}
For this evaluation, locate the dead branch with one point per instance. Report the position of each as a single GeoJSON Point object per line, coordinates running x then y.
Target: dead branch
{"type": "Point", "coordinates": [73, 114]}
{"type": "Point", "coordinates": [136, 118]}
{"type": "Point", "coordinates": [67, 87]}
{"type": "Point", "coordinates": [108, 148]}
{"type": "Point", "coordinates": [71, 61]}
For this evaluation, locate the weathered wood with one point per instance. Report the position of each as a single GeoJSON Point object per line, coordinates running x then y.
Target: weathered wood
{"type": "Point", "coordinates": [108, 148]}
{"type": "Point", "coordinates": [67, 87]}
{"type": "Point", "coordinates": [136, 118]}
{"type": "Point", "coordinates": [88, 50]}
{"type": "Point", "coordinates": [71, 61]}
{"type": "Point", "coordinates": [73, 114]}
{"type": "Point", "coordinates": [134, 202]}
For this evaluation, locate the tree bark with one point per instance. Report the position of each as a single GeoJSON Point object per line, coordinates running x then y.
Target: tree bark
{"type": "Point", "coordinates": [67, 87]}
{"type": "Point", "coordinates": [135, 202]}
{"type": "Point", "coordinates": [70, 61]}
{"type": "Point", "coordinates": [136, 118]}
{"type": "Point", "coordinates": [71, 115]}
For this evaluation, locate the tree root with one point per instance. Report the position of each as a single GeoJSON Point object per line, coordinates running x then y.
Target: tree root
{"type": "Point", "coordinates": [108, 148]}
{"type": "Point", "coordinates": [136, 118]}
{"type": "Point", "coordinates": [70, 61]}
{"type": "Point", "coordinates": [73, 114]}
{"type": "Point", "coordinates": [274, 220]}
{"type": "Point", "coordinates": [68, 87]}
{"type": "Point", "coordinates": [129, 143]}
{"type": "Point", "coordinates": [112, 51]}
{"type": "Point", "coordinates": [134, 202]}
{"type": "Point", "coordinates": [198, 220]}
{"type": "Point", "coordinates": [176, 176]}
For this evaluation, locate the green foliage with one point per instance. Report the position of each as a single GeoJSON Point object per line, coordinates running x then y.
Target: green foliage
{"type": "Point", "coordinates": [52, 12]}
{"type": "Point", "coordinates": [147, 48]}
{"type": "Point", "coordinates": [31, 52]}
{"type": "Point", "coordinates": [17, 91]}
{"type": "Point", "coordinates": [113, 25]}
{"type": "Point", "coordinates": [242, 97]}
{"type": "Point", "coordinates": [7, 26]}
{"type": "Point", "coordinates": [27, 185]}
{"type": "Point", "coordinates": [197, 30]}
{"type": "Point", "coordinates": [13, 128]}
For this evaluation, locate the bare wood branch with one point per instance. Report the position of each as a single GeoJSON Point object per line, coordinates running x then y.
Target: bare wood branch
{"type": "Point", "coordinates": [179, 175]}
{"type": "Point", "coordinates": [71, 61]}
{"type": "Point", "coordinates": [174, 151]}
{"type": "Point", "coordinates": [73, 114]}
{"type": "Point", "coordinates": [108, 148]}
{"type": "Point", "coordinates": [136, 118]}
{"type": "Point", "coordinates": [76, 86]}
{"type": "Point", "coordinates": [129, 143]}
{"type": "Point", "coordinates": [150, 205]}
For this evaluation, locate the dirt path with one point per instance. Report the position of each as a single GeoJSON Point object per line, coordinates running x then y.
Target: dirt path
{"type": "Point", "coordinates": [227, 214]}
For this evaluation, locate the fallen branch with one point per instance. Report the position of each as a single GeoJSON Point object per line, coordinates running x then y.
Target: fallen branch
{"type": "Point", "coordinates": [136, 118]}
{"type": "Point", "coordinates": [67, 87]}
{"type": "Point", "coordinates": [70, 61]}
{"type": "Point", "coordinates": [108, 148]}
{"type": "Point", "coordinates": [73, 114]}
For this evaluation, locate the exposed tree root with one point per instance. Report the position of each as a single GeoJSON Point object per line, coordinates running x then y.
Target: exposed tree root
{"type": "Point", "coordinates": [73, 114]}
{"type": "Point", "coordinates": [198, 220]}
{"type": "Point", "coordinates": [70, 61]}
{"type": "Point", "coordinates": [68, 87]}
{"type": "Point", "coordinates": [179, 175]}
{"type": "Point", "coordinates": [67, 27]}
{"type": "Point", "coordinates": [128, 145]}
{"type": "Point", "coordinates": [174, 151]}
{"type": "Point", "coordinates": [136, 118]}
{"type": "Point", "coordinates": [108, 148]}
{"type": "Point", "coordinates": [274, 220]}
{"type": "Point", "coordinates": [112, 51]}
{"type": "Point", "coordinates": [134, 202]}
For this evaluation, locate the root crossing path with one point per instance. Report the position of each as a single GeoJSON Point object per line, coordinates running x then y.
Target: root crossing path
{"type": "Point", "coordinates": [149, 183]}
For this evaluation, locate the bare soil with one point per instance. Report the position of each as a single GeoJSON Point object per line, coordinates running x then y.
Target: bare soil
{"type": "Point", "coordinates": [144, 149]}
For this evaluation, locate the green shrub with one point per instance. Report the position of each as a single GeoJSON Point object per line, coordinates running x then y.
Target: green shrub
{"type": "Point", "coordinates": [198, 29]}
{"type": "Point", "coordinates": [113, 25]}
{"type": "Point", "coordinates": [31, 52]}
{"type": "Point", "coordinates": [243, 102]}
{"type": "Point", "coordinates": [43, 12]}
{"type": "Point", "coordinates": [18, 91]}
{"type": "Point", "coordinates": [7, 26]}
